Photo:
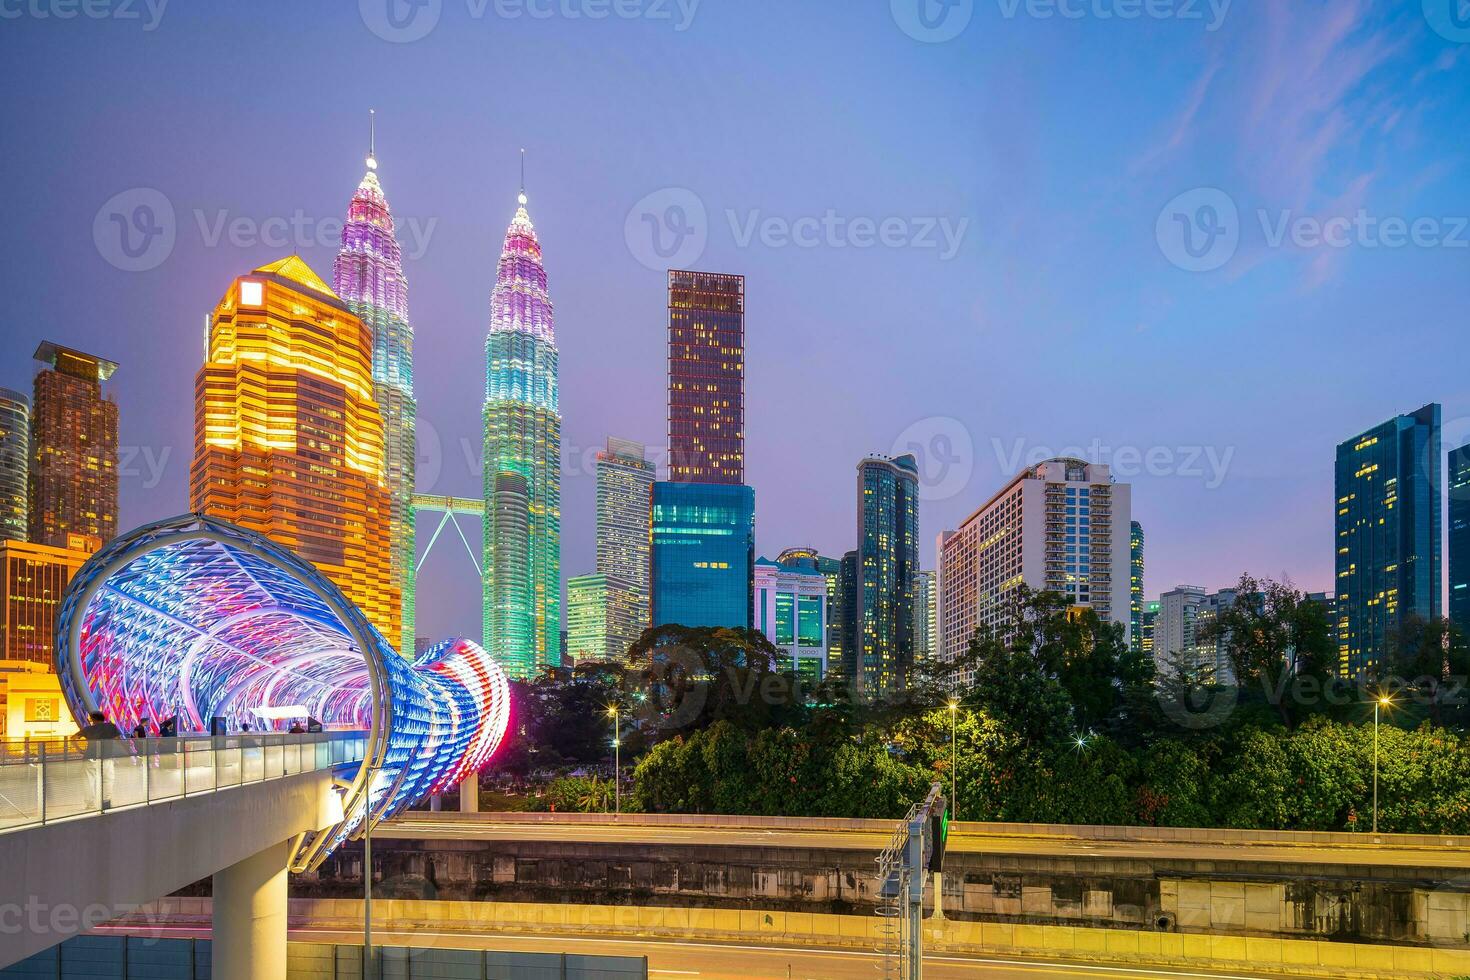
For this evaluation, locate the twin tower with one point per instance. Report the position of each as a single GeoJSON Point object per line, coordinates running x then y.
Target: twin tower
{"type": "Point", "coordinates": [305, 423]}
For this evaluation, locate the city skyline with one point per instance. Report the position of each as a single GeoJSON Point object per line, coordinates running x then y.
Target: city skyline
{"type": "Point", "coordinates": [816, 326]}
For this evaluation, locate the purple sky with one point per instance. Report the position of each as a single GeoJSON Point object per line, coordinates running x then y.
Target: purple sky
{"type": "Point", "coordinates": [1047, 147]}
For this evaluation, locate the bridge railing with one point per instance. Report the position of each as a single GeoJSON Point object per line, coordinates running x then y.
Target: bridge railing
{"type": "Point", "coordinates": [43, 782]}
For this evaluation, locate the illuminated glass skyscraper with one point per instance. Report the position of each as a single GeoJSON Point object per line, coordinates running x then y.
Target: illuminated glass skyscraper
{"type": "Point", "coordinates": [288, 440]}
{"type": "Point", "coordinates": [1135, 586]}
{"type": "Point", "coordinates": [1388, 530]}
{"type": "Point", "coordinates": [522, 595]}
{"type": "Point", "coordinates": [706, 377]}
{"type": "Point", "coordinates": [703, 554]}
{"type": "Point", "coordinates": [1459, 537]}
{"type": "Point", "coordinates": [73, 473]}
{"type": "Point", "coordinates": [624, 497]}
{"type": "Point", "coordinates": [15, 454]}
{"type": "Point", "coordinates": [368, 276]}
{"type": "Point", "coordinates": [887, 564]}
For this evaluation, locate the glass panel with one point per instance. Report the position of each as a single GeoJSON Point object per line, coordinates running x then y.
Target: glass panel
{"type": "Point", "coordinates": [20, 786]}
{"type": "Point", "coordinates": [128, 777]}
{"type": "Point", "coordinates": [166, 772]}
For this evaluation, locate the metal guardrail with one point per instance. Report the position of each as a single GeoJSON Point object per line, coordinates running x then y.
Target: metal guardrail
{"type": "Point", "coordinates": [42, 782]}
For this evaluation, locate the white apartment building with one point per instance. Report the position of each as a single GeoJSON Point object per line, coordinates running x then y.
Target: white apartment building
{"type": "Point", "coordinates": [1060, 526]}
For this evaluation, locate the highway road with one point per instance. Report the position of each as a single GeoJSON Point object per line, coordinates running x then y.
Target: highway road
{"type": "Point", "coordinates": [671, 959]}
{"type": "Point", "coordinates": [469, 828]}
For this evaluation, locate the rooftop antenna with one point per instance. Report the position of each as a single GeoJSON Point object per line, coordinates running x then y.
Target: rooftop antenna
{"type": "Point", "coordinates": [372, 160]}
{"type": "Point", "coordinates": [522, 196]}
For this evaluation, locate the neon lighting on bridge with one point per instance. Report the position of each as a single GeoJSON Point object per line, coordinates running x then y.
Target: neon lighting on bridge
{"type": "Point", "coordinates": [199, 618]}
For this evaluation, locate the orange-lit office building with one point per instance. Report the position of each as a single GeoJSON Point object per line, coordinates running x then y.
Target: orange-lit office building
{"type": "Point", "coordinates": [32, 579]}
{"type": "Point", "coordinates": [288, 439]}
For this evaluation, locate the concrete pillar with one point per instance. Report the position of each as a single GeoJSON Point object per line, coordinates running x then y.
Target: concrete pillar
{"type": "Point", "coordinates": [938, 896]}
{"type": "Point", "coordinates": [436, 803]}
{"type": "Point", "coordinates": [469, 794]}
{"type": "Point", "coordinates": [250, 917]}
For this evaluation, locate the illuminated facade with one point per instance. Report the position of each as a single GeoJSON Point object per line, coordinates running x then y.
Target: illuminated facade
{"type": "Point", "coordinates": [15, 464]}
{"type": "Point", "coordinates": [73, 471]}
{"type": "Point", "coordinates": [1177, 638]}
{"type": "Point", "coordinates": [288, 439]}
{"type": "Point", "coordinates": [882, 648]}
{"type": "Point", "coordinates": [703, 554]}
{"type": "Point", "coordinates": [706, 378]}
{"type": "Point", "coordinates": [1135, 586]}
{"type": "Point", "coordinates": [624, 501]}
{"type": "Point", "coordinates": [1458, 608]}
{"type": "Point", "coordinates": [601, 617]}
{"type": "Point", "coordinates": [923, 615]}
{"type": "Point", "coordinates": [831, 568]}
{"type": "Point", "coordinates": [1388, 534]}
{"type": "Point", "coordinates": [1052, 529]}
{"type": "Point", "coordinates": [368, 277]}
{"type": "Point", "coordinates": [791, 610]}
{"type": "Point", "coordinates": [1146, 629]}
{"type": "Point", "coordinates": [522, 543]}
{"type": "Point", "coordinates": [201, 619]}
{"type": "Point", "coordinates": [32, 580]}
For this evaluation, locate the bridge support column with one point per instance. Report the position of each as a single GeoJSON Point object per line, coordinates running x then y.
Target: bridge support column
{"type": "Point", "coordinates": [250, 917]}
{"type": "Point", "coordinates": [469, 794]}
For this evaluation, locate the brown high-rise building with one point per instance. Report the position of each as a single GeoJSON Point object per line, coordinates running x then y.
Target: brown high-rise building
{"type": "Point", "coordinates": [288, 439]}
{"type": "Point", "coordinates": [73, 478]}
{"type": "Point", "coordinates": [706, 377]}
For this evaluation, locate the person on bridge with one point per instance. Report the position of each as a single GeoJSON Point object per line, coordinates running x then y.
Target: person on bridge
{"type": "Point", "coordinates": [140, 730]}
{"type": "Point", "coordinates": [99, 760]}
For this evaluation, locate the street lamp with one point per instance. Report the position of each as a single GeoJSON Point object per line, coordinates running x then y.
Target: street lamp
{"type": "Point", "coordinates": [1384, 701]}
{"type": "Point", "coordinates": [613, 713]}
{"type": "Point", "coordinates": [954, 768]}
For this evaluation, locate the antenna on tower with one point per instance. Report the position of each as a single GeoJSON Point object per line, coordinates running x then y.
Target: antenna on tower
{"type": "Point", "coordinates": [372, 160]}
{"type": "Point", "coordinates": [522, 196]}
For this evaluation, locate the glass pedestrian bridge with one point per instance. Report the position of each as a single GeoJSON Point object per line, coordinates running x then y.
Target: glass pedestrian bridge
{"type": "Point", "coordinates": [44, 782]}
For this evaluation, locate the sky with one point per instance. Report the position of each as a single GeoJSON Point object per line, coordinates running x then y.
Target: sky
{"type": "Point", "coordinates": [1203, 242]}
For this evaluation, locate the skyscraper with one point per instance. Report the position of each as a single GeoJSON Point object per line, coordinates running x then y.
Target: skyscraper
{"type": "Point", "coordinates": [1459, 537]}
{"type": "Point", "coordinates": [624, 499]}
{"type": "Point", "coordinates": [831, 569]}
{"type": "Point", "coordinates": [706, 377]}
{"type": "Point", "coordinates": [1150, 617]}
{"type": "Point", "coordinates": [600, 623]}
{"type": "Point", "coordinates": [73, 473]}
{"type": "Point", "coordinates": [15, 462]}
{"type": "Point", "coordinates": [703, 554]}
{"type": "Point", "coordinates": [288, 440]}
{"type": "Point", "coordinates": [1050, 528]}
{"type": "Point", "coordinates": [1178, 632]}
{"type": "Point", "coordinates": [32, 579]}
{"type": "Point", "coordinates": [887, 564]}
{"type": "Point", "coordinates": [1135, 586]}
{"type": "Point", "coordinates": [1388, 530]}
{"type": "Point", "coordinates": [368, 277]}
{"type": "Point", "coordinates": [791, 610]}
{"type": "Point", "coordinates": [522, 595]}
{"type": "Point", "coordinates": [923, 606]}
{"type": "Point", "coordinates": [846, 616]}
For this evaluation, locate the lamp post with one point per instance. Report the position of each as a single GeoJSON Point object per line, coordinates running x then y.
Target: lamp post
{"type": "Point", "coordinates": [1383, 702]}
{"type": "Point", "coordinates": [954, 761]}
{"type": "Point", "coordinates": [613, 713]}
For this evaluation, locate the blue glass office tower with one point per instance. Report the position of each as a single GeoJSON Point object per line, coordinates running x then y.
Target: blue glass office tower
{"type": "Point", "coordinates": [703, 554]}
{"type": "Point", "coordinates": [1459, 537]}
{"type": "Point", "coordinates": [882, 650]}
{"type": "Point", "coordinates": [1388, 529]}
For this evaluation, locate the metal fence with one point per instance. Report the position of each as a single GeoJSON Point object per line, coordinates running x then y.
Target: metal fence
{"type": "Point", "coordinates": [143, 958]}
{"type": "Point", "coordinates": [45, 781]}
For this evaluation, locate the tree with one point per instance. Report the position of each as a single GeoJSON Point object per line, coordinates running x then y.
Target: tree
{"type": "Point", "coordinates": [1431, 660]}
{"type": "Point", "coordinates": [1274, 636]}
{"type": "Point", "coordinates": [691, 677]}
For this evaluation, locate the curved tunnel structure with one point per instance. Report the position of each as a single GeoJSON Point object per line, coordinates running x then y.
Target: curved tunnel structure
{"type": "Point", "coordinates": [198, 618]}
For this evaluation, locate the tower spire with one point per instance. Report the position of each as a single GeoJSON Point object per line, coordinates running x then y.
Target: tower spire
{"type": "Point", "coordinates": [372, 159]}
{"type": "Point", "coordinates": [521, 198]}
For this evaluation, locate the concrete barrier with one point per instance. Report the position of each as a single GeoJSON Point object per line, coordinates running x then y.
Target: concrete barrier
{"type": "Point", "coordinates": [820, 930]}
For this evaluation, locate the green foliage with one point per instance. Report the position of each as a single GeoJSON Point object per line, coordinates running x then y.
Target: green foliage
{"type": "Point", "coordinates": [580, 794]}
